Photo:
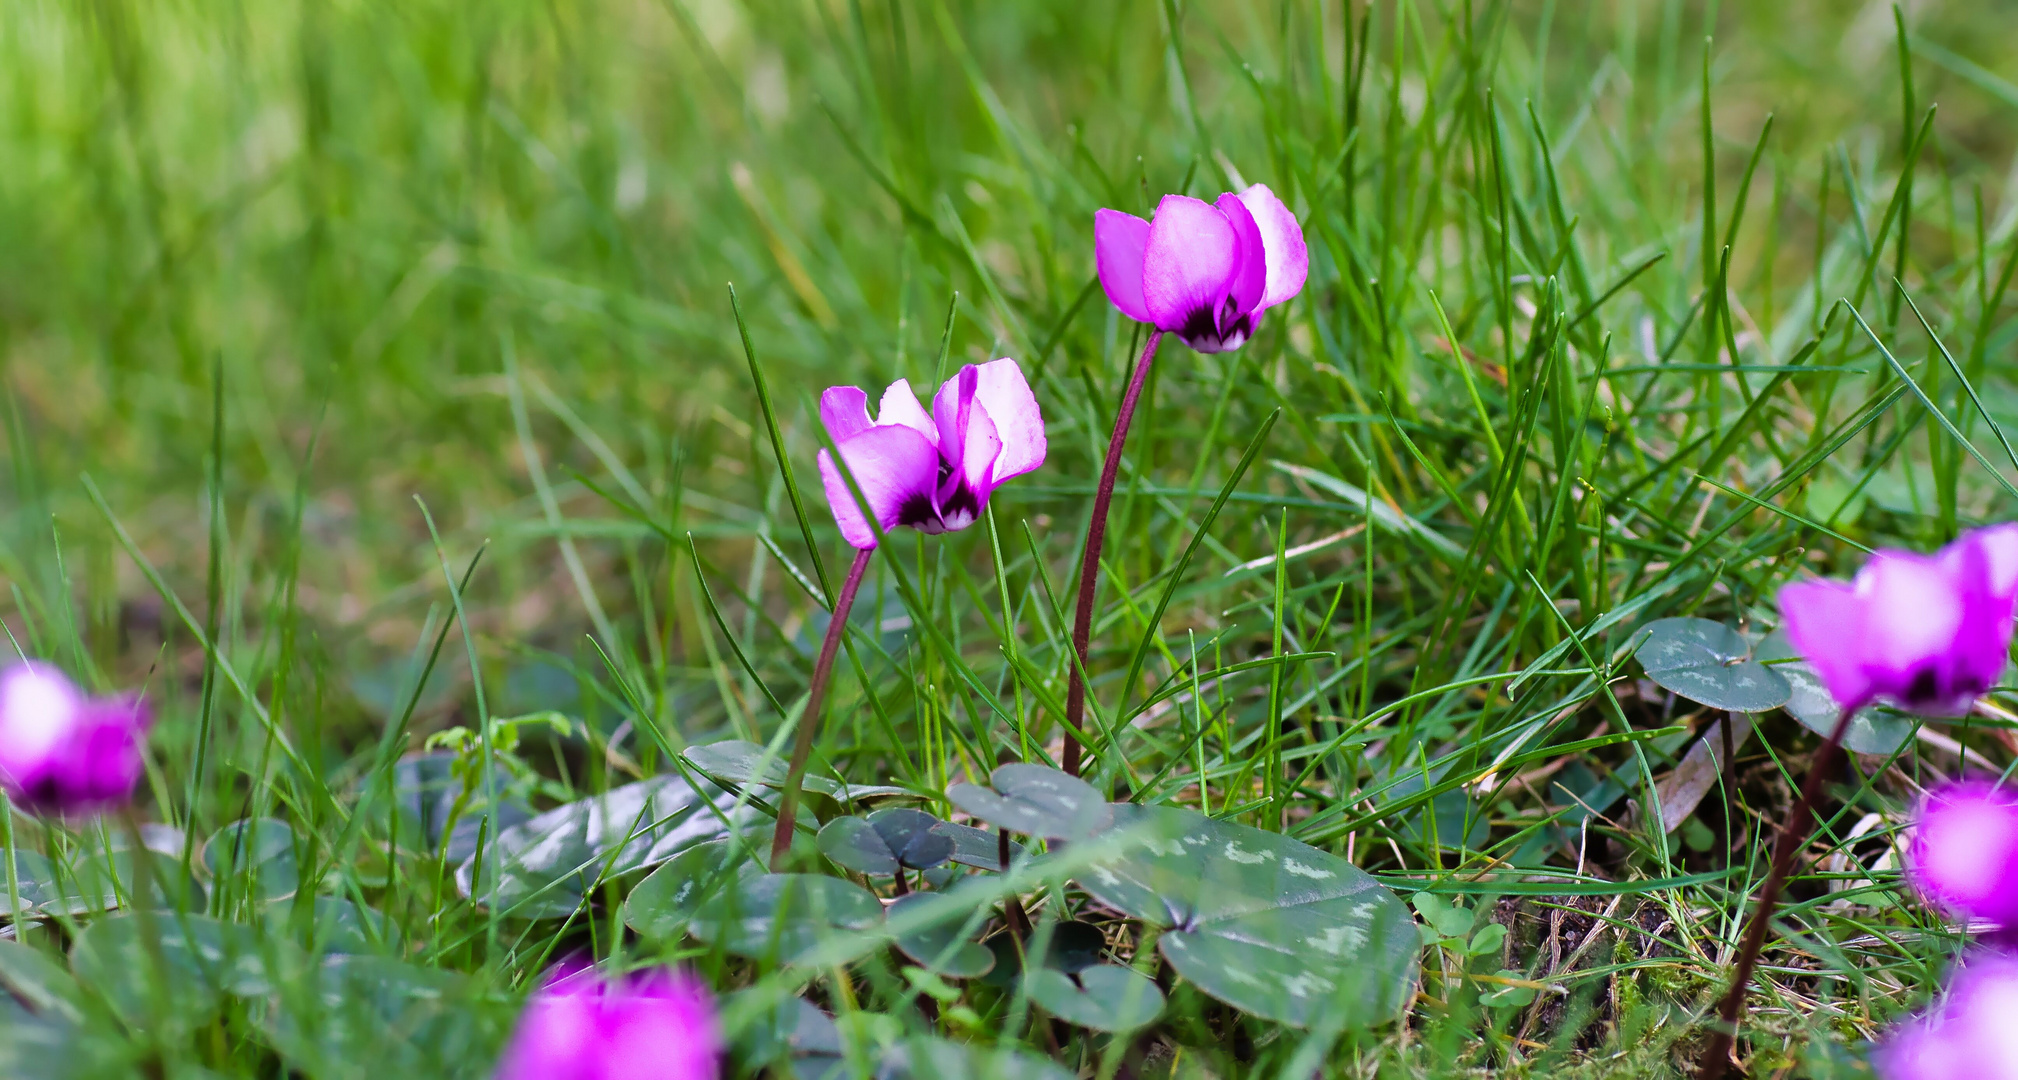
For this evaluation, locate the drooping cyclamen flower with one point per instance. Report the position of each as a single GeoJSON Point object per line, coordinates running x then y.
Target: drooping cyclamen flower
{"type": "Point", "coordinates": [1964, 851]}
{"type": "Point", "coordinates": [1926, 632]}
{"type": "Point", "coordinates": [1969, 1036]}
{"type": "Point", "coordinates": [1204, 271]}
{"type": "Point", "coordinates": [654, 1025]}
{"type": "Point", "coordinates": [64, 752]}
{"type": "Point", "coordinates": [933, 473]}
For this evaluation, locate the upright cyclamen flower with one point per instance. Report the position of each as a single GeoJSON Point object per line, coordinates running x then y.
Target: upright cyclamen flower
{"type": "Point", "coordinates": [656, 1025]}
{"type": "Point", "coordinates": [64, 752]}
{"type": "Point", "coordinates": [1969, 1036]}
{"type": "Point", "coordinates": [933, 473]}
{"type": "Point", "coordinates": [1927, 632]}
{"type": "Point", "coordinates": [1964, 851]}
{"type": "Point", "coordinates": [1203, 271]}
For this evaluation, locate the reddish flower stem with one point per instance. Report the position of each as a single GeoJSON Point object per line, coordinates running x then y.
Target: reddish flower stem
{"type": "Point", "coordinates": [1794, 836]}
{"type": "Point", "coordinates": [1089, 563]}
{"type": "Point", "coordinates": [809, 721]}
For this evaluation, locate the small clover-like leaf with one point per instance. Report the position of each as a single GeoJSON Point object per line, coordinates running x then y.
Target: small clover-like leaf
{"type": "Point", "coordinates": [784, 915]}
{"type": "Point", "coordinates": [1036, 800]}
{"type": "Point", "coordinates": [939, 946]}
{"type": "Point", "coordinates": [1874, 729]}
{"type": "Point", "coordinates": [886, 841]}
{"type": "Point", "coordinates": [977, 847]}
{"type": "Point", "coordinates": [1709, 663]}
{"type": "Point", "coordinates": [1103, 997]}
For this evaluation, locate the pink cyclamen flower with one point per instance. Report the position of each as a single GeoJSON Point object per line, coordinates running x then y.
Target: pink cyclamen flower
{"type": "Point", "coordinates": [653, 1025]}
{"type": "Point", "coordinates": [1969, 1036]}
{"type": "Point", "coordinates": [1964, 851]}
{"type": "Point", "coordinates": [1204, 271]}
{"type": "Point", "coordinates": [1927, 632]}
{"type": "Point", "coordinates": [62, 751]}
{"type": "Point", "coordinates": [933, 473]}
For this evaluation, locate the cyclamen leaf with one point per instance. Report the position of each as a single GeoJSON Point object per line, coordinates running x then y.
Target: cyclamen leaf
{"type": "Point", "coordinates": [1262, 922]}
{"type": "Point", "coordinates": [1037, 801]}
{"type": "Point", "coordinates": [1104, 997]}
{"type": "Point", "coordinates": [1710, 663]}
{"type": "Point", "coordinates": [1874, 729]}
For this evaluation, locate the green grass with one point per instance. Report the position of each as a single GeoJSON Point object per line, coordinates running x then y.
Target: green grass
{"type": "Point", "coordinates": [310, 306]}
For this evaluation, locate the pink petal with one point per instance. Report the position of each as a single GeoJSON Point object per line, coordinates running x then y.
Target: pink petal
{"type": "Point", "coordinates": [1001, 390]}
{"type": "Point", "coordinates": [967, 436]}
{"type": "Point", "coordinates": [1118, 242]}
{"type": "Point", "coordinates": [1251, 279]}
{"type": "Point", "coordinates": [1282, 237]}
{"type": "Point", "coordinates": [1998, 546]}
{"type": "Point", "coordinates": [39, 709]}
{"type": "Point", "coordinates": [900, 406]}
{"type": "Point", "coordinates": [844, 411]}
{"type": "Point", "coordinates": [1824, 623]}
{"type": "Point", "coordinates": [1913, 614]}
{"type": "Point", "coordinates": [1964, 852]}
{"type": "Point", "coordinates": [892, 464]}
{"type": "Point", "coordinates": [1189, 262]}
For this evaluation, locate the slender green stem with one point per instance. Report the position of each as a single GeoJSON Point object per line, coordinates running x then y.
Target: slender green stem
{"type": "Point", "coordinates": [1089, 563]}
{"type": "Point", "coordinates": [1793, 837]}
{"type": "Point", "coordinates": [809, 721]}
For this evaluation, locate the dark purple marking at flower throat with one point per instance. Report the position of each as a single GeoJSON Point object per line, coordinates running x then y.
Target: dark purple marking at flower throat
{"type": "Point", "coordinates": [1208, 331]}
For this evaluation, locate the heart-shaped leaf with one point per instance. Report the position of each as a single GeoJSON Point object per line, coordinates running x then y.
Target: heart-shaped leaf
{"type": "Point", "coordinates": [795, 1035]}
{"type": "Point", "coordinates": [94, 880]}
{"type": "Point", "coordinates": [1035, 800]}
{"type": "Point", "coordinates": [1068, 946]}
{"type": "Point", "coordinates": [1104, 997]}
{"type": "Point", "coordinates": [1710, 663]}
{"type": "Point", "coordinates": [784, 915]}
{"type": "Point", "coordinates": [1874, 729]}
{"type": "Point", "coordinates": [39, 1014]}
{"type": "Point", "coordinates": [1260, 921]}
{"type": "Point", "coordinates": [545, 867]}
{"type": "Point", "coordinates": [939, 946]}
{"type": "Point", "coordinates": [200, 960]}
{"type": "Point", "coordinates": [735, 762]}
{"type": "Point", "coordinates": [977, 847]}
{"type": "Point", "coordinates": [373, 1016]}
{"type": "Point", "coordinates": [252, 860]}
{"type": "Point", "coordinates": [886, 841]}
{"type": "Point", "coordinates": [339, 926]}
{"type": "Point", "coordinates": [662, 905]}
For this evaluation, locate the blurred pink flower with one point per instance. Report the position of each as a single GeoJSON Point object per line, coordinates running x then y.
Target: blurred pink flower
{"type": "Point", "coordinates": [933, 473]}
{"type": "Point", "coordinates": [1203, 271]}
{"type": "Point", "coordinates": [651, 1025]}
{"type": "Point", "coordinates": [1970, 1035]}
{"type": "Point", "coordinates": [61, 751]}
{"type": "Point", "coordinates": [1964, 853]}
{"type": "Point", "coordinates": [1926, 632]}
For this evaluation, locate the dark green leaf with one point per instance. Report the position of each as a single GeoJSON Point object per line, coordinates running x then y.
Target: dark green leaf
{"type": "Point", "coordinates": [1104, 997]}
{"type": "Point", "coordinates": [1265, 923]}
{"type": "Point", "coordinates": [165, 964]}
{"type": "Point", "coordinates": [662, 905]}
{"type": "Point", "coordinates": [1710, 663]}
{"type": "Point", "coordinates": [545, 867]}
{"type": "Point", "coordinates": [977, 847]}
{"type": "Point", "coordinates": [252, 860]}
{"type": "Point", "coordinates": [735, 763]}
{"type": "Point", "coordinates": [885, 841]}
{"type": "Point", "coordinates": [784, 915]}
{"type": "Point", "coordinates": [1035, 800]}
{"type": "Point", "coordinates": [1875, 729]}
{"type": "Point", "coordinates": [940, 947]}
